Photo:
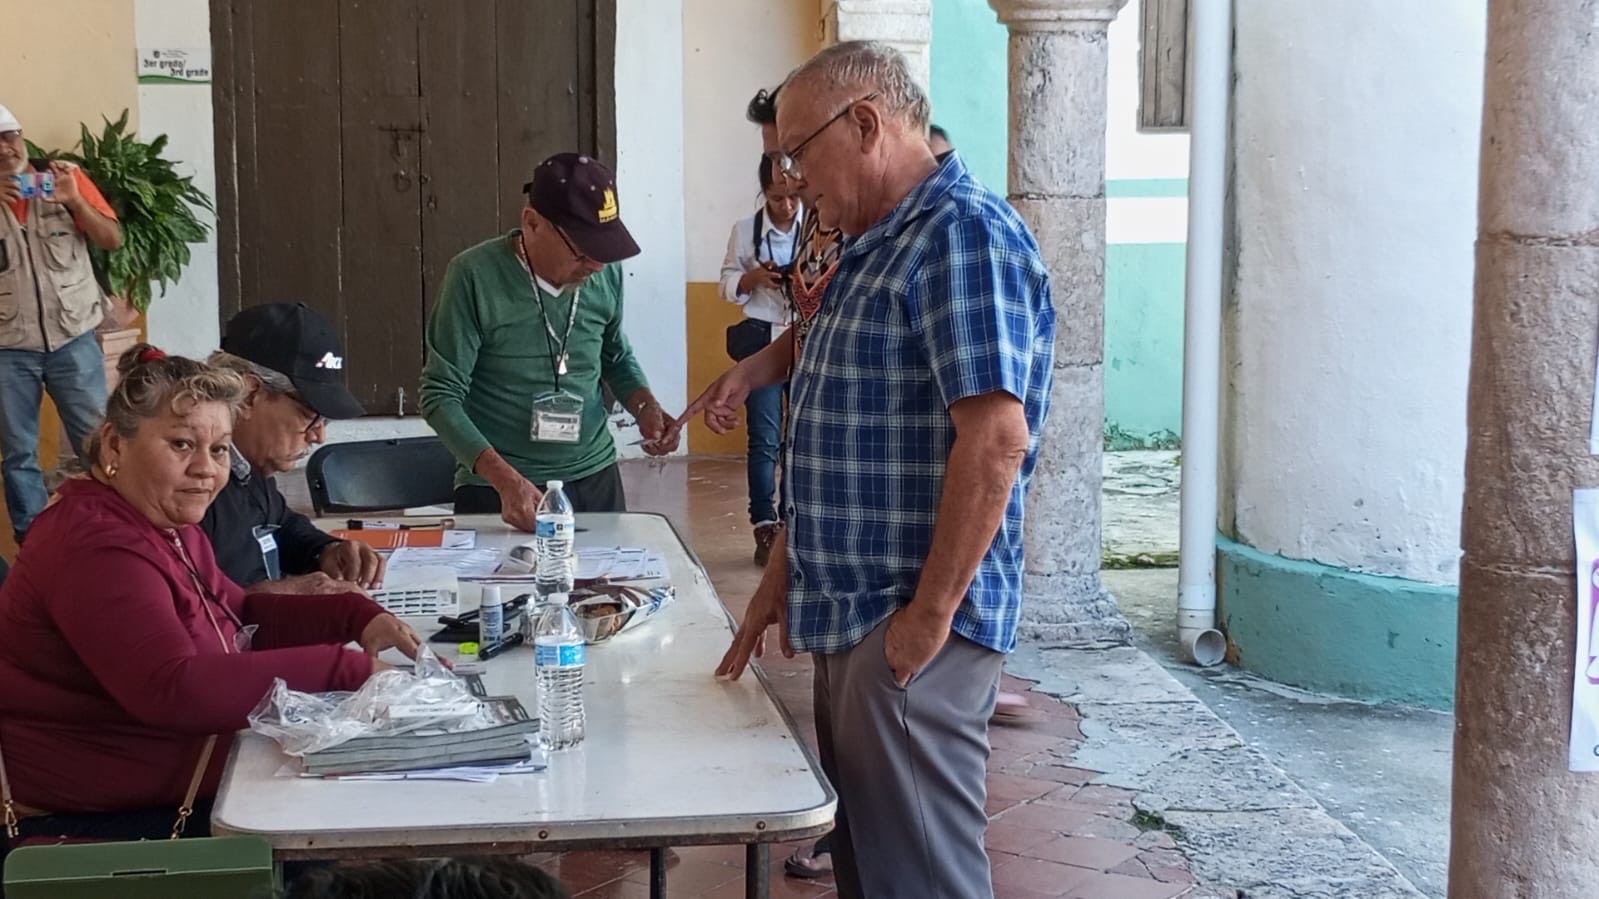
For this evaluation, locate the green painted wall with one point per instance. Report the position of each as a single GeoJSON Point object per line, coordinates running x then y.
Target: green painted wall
{"type": "Point", "coordinates": [1143, 343]}
{"type": "Point", "coordinates": [1143, 282]}
{"type": "Point", "coordinates": [1331, 629]}
{"type": "Point", "coordinates": [970, 85]}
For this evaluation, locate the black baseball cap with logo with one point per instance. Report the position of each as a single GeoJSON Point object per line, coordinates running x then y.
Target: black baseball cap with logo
{"type": "Point", "coordinates": [296, 341]}
{"type": "Point", "coordinates": [578, 194]}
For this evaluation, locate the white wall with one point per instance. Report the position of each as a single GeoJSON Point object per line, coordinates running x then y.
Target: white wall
{"type": "Point", "coordinates": [1130, 153]}
{"type": "Point", "coordinates": [185, 319]}
{"type": "Point", "coordinates": [650, 151]}
{"type": "Point", "coordinates": [1356, 127]}
{"type": "Point", "coordinates": [731, 48]}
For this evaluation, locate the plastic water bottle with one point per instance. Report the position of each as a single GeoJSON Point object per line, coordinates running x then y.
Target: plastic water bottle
{"type": "Point", "coordinates": [558, 653]}
{"type": "Point", "coordinates": [553, 544]}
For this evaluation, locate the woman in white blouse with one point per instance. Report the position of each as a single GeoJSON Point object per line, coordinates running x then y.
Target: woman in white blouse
{"type": "Point", "coordinates": [760, 255]}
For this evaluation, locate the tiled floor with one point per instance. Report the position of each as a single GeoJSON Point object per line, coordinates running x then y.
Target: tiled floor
{"type": "Point", "coordinates": [1052, 834]}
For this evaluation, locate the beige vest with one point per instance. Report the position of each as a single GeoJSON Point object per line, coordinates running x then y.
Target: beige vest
{"type": "Point", "coordinates": [48, 294]}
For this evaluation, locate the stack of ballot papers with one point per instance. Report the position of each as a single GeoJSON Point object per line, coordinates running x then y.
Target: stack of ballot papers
{"type": "Point", "coordinates": [508, 742]}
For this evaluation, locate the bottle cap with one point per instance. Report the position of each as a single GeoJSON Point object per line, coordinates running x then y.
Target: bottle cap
{"type": "Point", "coordinates": [553, 485]}
{"type": "Point", "coordinates": [469, 648]}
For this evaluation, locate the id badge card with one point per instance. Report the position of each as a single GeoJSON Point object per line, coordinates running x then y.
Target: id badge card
{"type": "Point", "coordinates": [557, 418]}
{"type": "Point", "coordinates": [266, 539]}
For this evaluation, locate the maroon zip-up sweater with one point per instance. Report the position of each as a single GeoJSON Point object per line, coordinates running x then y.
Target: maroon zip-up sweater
{"type": "Point", "coordinates": [115, 664]}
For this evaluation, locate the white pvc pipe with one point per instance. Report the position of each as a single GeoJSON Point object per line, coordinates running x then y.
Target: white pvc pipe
{"type": "Point", "coordinates": [1207, 187]}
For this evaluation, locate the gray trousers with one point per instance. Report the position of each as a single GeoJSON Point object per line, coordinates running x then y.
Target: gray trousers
{"type": "Point", "coordinates": [909, 766]}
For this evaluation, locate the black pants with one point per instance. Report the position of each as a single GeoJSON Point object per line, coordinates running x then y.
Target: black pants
{"type": "Point", "coordinates": [599, 492]}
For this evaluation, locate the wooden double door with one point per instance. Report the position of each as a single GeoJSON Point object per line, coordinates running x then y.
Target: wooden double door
{"type": "Point", "coordinates": [361, 144]}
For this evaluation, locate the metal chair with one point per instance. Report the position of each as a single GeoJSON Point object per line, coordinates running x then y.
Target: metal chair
{"type": "Point", "coordinates": [381, 475]}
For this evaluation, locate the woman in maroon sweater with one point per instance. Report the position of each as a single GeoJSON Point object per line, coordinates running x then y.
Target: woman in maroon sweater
{"type": "Point", "coordinates": [123, 646]}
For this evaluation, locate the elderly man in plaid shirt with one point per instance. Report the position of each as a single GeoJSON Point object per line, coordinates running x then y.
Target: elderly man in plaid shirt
{"type": "Point", "coordinates": [916, 411]}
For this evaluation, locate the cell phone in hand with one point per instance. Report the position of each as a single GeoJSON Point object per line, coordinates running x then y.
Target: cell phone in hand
{"type": "Point", "coordinates": [36, 184]}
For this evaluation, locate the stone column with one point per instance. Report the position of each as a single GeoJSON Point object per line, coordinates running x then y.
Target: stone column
{"type": "Point", "coordinates": [905, 25]}
{"type": "Point", "coordinates": [1058, 62]}
{"type": "Point", "coordinates": [1522, 823]}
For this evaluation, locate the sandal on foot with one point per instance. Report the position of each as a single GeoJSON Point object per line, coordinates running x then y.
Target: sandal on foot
{"type": "Point", "coordinates": [804, 865]}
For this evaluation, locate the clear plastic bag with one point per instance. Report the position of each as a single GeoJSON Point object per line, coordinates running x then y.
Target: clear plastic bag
{"type": "Point", "coordinates": [428, 697]}
{"type": "Point", "coordinates": [605, 610]}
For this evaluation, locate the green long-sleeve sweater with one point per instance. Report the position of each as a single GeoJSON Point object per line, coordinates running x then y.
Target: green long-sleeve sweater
{"type": "Point", "coordinates": [488, 357]}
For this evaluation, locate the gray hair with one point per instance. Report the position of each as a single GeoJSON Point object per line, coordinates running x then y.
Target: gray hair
{"type": "Point", "coordinates": [153, 384]}
{"type": "Point", "coordinates": [857, 68]}
{"type": "Point", "coordinates": [274, 381]}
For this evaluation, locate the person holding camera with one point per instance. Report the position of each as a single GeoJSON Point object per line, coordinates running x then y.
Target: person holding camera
{"type": "Point", "coordinates": [760, 257]}
{"type": "Point", "coordinates": [50, 303]}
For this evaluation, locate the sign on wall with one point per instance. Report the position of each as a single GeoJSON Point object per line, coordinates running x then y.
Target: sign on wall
{"type": "Point", "coordinates": [181, 65]}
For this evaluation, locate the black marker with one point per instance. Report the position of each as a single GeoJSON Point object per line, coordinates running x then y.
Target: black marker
{"type": "Point", "coordinates": [489, 652]}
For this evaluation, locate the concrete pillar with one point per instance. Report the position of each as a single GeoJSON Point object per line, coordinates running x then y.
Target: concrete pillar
{"type": "Point", "coordinates": [905, 25]}
{"type": "Point", "coordinates": [1522, 823]}
{"type": "Point", "coordinates": [1058, 75]}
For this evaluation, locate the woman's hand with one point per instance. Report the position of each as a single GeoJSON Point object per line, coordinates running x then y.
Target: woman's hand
{"type": "Point", "coordinates": [764, 275]}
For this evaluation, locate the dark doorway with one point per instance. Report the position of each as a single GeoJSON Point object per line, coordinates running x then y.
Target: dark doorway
{"type": "Point", "coordinates": [363, 143]}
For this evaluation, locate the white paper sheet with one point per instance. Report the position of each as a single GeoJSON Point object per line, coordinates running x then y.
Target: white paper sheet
{"type": "Point", "coordinates": [469, 773]}
{"type": "Point", "coordinates": [619, 563]}
{"type": "Point", "coordinates": [1584, 748]}
{"type": "Point", "coordinates": [468, 563]}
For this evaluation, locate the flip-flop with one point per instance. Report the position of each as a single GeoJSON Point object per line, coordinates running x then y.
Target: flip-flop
{"type": "Point", "coordinates": [804, 865]}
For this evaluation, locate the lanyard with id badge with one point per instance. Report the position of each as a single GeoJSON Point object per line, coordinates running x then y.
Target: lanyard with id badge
{"type": "Point", "coordinates": [557, 414]}
{"type": "Point", "coordinates": [266, 539]}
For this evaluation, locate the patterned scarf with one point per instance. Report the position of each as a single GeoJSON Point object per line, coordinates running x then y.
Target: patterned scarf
{"type": "Point", "coordinates": [814, 264]}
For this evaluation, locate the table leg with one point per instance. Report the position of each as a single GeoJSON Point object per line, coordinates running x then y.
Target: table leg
{"type": "Point", "coordinates": [757, 870]}
{"type": "Point", "coordinates": [658, 873]}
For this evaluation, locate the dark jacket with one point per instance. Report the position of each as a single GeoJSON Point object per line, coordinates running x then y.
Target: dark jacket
{"type": "Point", "coordinates": [115, 665]}
{"type": "Point", "coordinates": [248, 502]}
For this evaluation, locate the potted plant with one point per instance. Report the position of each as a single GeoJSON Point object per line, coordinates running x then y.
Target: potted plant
{"type": "Point", "coordinates": [158, 210]}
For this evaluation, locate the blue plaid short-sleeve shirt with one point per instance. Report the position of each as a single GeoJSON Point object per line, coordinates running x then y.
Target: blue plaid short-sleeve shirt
{"type": "Point", "coordinates": [946, 298]}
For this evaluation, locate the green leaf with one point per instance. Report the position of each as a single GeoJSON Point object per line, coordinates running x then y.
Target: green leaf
{"type": "Point", "coordinates": [155, 205]}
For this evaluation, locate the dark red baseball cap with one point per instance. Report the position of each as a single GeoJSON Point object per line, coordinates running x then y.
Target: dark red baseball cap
{"type": "Point", "coordinates": [578, 194]}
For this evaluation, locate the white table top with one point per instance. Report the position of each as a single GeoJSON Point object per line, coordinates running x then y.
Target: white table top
{"type": "Point", "coordinates": [672, 756]}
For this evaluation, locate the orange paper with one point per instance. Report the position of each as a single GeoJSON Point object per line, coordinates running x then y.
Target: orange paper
{"type": "Point", "coordinates": [394, 538]}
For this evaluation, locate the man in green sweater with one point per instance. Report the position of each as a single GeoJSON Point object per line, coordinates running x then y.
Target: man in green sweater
{"type": "Point", "coordinates": [527, 326]}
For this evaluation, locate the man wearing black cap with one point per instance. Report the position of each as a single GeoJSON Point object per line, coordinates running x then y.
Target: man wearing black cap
{"type": "Point", "coordinates": [527, 326]}
{"type": "Point", "coordinates": [293, 368]}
